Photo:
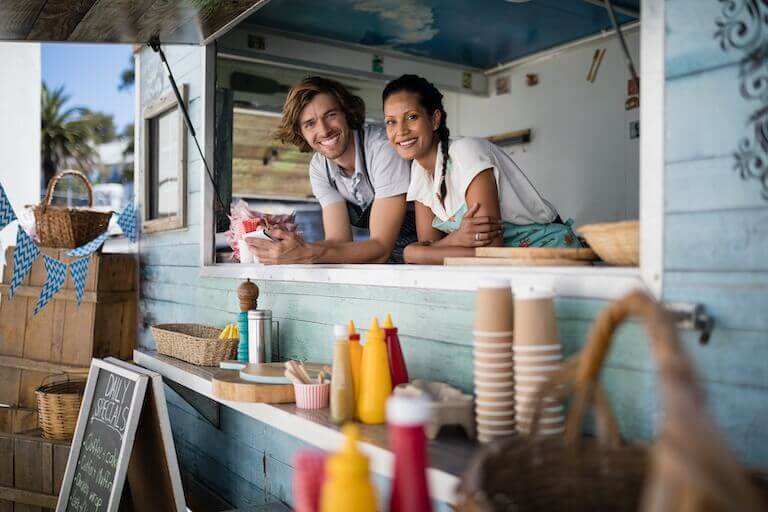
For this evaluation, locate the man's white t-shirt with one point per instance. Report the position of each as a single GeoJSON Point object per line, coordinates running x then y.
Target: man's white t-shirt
{"type": "Point", "coordinates": [389, 174]}
{"type": "Point", "coordinates": [519, 202]}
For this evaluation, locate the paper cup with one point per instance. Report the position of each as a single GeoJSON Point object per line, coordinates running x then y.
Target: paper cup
{"type": "Point", "coordinates": [501, 366]}
{"type": "Point", "coordinates": [538, 358]}
{"type": "Point", "coordinates": [494, 305]}
{"type": "Point", "coordinates": [484, 358]}
{"type": "Point", "coordinates": [489, 377]}
{"type": "Point", "coordinates": [493, 348]}
{"type": "Point", "coordinates": [536, 369]}
{"type": "Point", "coordinates": [490, 395]}
{"type": "Point", "coordinates": [507, 421]}
{"type": "Point", "coordinates": [535, 319]}
{"type": "Point", "coordinates": [501, 412]}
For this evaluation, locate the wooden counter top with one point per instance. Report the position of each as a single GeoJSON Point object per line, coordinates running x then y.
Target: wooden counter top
{"type": "Point", "coordinates": [448, 455]}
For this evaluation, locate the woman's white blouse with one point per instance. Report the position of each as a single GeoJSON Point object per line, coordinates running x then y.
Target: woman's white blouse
{"type": "Point", "coordinates": [519, 201]}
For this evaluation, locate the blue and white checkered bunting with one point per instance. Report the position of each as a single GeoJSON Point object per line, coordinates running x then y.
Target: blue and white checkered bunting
{"type": "Point", "coordinates": [127, 222]}
{"type": "Point", "coordinates": [6, 211]}
{"type": "Point", "coordinates": [90, 247]}
{"type": "Point", "coordinates": [25, 253]}
{"type": "Point", "coordinates": [79, 271]}
{"type": "Point", "coordinates": [57, 273]}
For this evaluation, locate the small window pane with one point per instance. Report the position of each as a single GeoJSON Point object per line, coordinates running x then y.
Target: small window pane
{"type": "Point", "coordinates": [164, 164]}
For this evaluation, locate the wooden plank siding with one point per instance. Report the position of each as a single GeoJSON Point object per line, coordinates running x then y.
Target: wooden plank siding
{"type": "Point", "coordinates": [714, 243]}
{"type": "Point", "coordinates": [714, 246]}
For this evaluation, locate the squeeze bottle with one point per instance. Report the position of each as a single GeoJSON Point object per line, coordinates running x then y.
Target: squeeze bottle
{"type": "Point", "coordinates": [347, 486]}
{"type": "Point", "coordinates": [375, 382]}
{"type": "Point", "coordinates": [397, 368]}
{"type": "Point", "coordinates": [342, 385]}
{"type": "Point", "coordinates": [406, 417]}
{"type": "Point", "coordinates": [355, 356]}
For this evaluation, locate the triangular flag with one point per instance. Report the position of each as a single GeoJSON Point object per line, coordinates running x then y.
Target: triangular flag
{"type": "Point", "coordinates": [6, 211]}
{"type": "Point", "coordinates": [25, 253]}
{"type": "Point", "coordinates": [127, 222]}
{"type": "Point", "coordinates": [57, 273]}
{"type": "Point", "coordinates": [85, 250]}
{"type": "Point", "coordinates": [79, 271]}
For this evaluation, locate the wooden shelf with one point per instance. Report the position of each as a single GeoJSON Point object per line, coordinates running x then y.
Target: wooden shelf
{"type": "Point", "coordinates": [448, 455]}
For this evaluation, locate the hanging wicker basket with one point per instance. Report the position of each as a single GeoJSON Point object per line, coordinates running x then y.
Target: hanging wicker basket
{"type": "Point", "coordinates": [67, 228]}
{"type": "Point", "coordinates": [688, 467]}
{"type": "Point", "coordinates": [58, 405]}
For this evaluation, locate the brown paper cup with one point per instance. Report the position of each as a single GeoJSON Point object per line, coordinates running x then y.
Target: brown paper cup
{"type": "Point", "coordinates": [536, 369]}
{"type": "Point", "coordinates": [538, 357]}
{"type": "Point", "coordinates": [494, 306]}
{"type": "Point", "coordinates": [535, 319]}
{"type": "Point", "coordinates": [485, 358]}
{"type": "Point", "coordinates": [500, 412]}
{"type": "Point", "coordinates": [492, 377]}
{"type": "Point", "coordinates": [486, 390]}
{"type": "Point", "coordinates": [492, 348]}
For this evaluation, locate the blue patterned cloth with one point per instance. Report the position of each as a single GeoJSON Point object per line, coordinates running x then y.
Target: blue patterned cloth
{"type": "Point", "coordinates": [24, 254]}
{"type": "Point", "coordinates": [127, 222]}
{"type": "Point", "coordinates": [56, 274]}
{"type": "Point", "coordinates": [6, 211]}
{"type": "Point", "coordinates": [79, 271]}
{"type": "Point", "coordinates": [90, 247]}
{"type": "Point", "coordinates": [521, 235]}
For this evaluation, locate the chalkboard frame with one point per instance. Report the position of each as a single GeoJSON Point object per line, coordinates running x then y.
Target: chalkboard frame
{"type": "Point", "coordinates": [140, 388]}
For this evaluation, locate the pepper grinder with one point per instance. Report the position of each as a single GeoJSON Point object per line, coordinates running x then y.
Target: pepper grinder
{"type": "Point", "coordinates": [248, 294]}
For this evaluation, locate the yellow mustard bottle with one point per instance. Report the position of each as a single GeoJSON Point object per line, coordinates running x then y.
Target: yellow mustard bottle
{"type": "Point", "coordinates": [375, 382]}
{"type": "Point", "coordinates": [355, 356]}
{"type": "Point", "coordinates": [347, 485]}
{"type": "Point", "coordinates": [342, 385]}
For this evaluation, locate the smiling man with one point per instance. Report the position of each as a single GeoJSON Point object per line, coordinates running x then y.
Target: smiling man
{"type": "Point", "coordinates": [355, 174]}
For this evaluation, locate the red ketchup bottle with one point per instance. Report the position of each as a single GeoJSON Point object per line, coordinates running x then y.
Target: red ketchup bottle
{"type": "Point", "coordinates": [406, 416]}
{"type": "Point", "coordinates": [397, 368]}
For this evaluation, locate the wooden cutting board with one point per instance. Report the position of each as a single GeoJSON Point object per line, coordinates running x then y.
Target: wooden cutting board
{"type": "Point", "coordinates": [517, 262]}
{"type": "Point", "coordinates": [536, 253]}
{"type": "Point", "coordinates": [274, 373]}
{"type": "Point", "coordinates": [227, 385]}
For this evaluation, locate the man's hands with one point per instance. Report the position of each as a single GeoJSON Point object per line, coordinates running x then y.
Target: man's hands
{"type": "Point", "coordinates": [474, 231]}
{"type": "Point", "coordinates": [288, 248]}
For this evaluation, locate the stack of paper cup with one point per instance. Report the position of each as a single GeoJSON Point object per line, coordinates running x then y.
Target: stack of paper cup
{"type": "Point", "coordinates": [537, 354]}
{"type": "Point", "coordinates": [493, 360]}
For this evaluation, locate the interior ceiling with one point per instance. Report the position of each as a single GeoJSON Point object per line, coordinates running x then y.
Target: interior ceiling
{"type": "Point", "coordinates": [477, 33]}
{"type": "Point", "coordinates": [119, 21]}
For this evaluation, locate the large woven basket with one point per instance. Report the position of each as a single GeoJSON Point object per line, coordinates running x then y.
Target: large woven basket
{"type": "Point", "coordinates": [194, 343]}
{"type": "Point", "coordinates": [58, 405]}
{"type": "Point", "coordinates": [67, 228]}
{"type": "Point", "coordinates": [687, 469]}
{"type": "Point", "coordinates": [617, 243]}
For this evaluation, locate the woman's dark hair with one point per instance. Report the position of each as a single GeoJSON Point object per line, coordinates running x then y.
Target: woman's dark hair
{"type": "Point", "coordinates": [431, 100]}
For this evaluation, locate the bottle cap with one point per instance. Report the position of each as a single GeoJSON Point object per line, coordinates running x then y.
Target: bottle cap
{"type": "Point", "coordinates": [388, 322]}
{"type": "Point", "coordinates": [374, 332]}
{"type": "Point", "coordinates": [351, 327]}
{"type": "Point", "coordinates": [339, 331]}
{"type": "Point", "coordinates": [408, 410]}
{"type": "Point", "coordinates": [349, 461]}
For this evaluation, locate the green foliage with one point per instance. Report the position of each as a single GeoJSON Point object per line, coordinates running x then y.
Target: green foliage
{"type": "Point", "coordinates": [102, 125]}
{"type": "Point", "coordinates": [66, 138]}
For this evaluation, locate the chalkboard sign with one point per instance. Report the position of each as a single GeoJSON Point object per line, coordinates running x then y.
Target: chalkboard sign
{"type": "Point", "coordinates": [103, 440]}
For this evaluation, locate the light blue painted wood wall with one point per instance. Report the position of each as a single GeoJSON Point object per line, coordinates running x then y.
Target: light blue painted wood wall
{"type": "Point", "coordinates": [715, 245]}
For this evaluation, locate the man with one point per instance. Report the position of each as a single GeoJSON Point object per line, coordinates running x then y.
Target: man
{"type": "Point", "coordinates": [355, 174]}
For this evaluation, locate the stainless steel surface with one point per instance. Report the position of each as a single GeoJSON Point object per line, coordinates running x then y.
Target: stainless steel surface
{"type": "Point", "coordinates": [259, 335]}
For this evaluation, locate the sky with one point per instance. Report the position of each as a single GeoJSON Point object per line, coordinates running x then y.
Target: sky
{"type": "Point", "coordinates": [90, 74]}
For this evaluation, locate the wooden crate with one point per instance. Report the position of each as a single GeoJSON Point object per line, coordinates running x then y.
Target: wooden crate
{"type": "Point", "coordinates": [63, 337]}
{"type": "Point", "coordinates": [31, 471]}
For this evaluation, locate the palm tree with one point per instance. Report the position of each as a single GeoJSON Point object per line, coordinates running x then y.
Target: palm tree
{"type": "Point", "coordinates": [66, 137]}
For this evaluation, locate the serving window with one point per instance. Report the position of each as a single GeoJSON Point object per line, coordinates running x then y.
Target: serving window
{"type": "Point", "coordinates": [569, 117]}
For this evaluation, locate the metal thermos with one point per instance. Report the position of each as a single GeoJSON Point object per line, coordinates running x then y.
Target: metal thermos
{"type": "Point", "coordinates": [259, 335]}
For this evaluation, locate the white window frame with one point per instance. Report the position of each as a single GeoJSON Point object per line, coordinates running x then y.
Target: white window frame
{"type": "Point", "coordinates": [152, 111]}
{"type": "Point", "coordinates": [587, 282]}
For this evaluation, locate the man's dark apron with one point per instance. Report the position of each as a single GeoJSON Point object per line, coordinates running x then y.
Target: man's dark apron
{"type": "Point", "coordinates": [360, 218]}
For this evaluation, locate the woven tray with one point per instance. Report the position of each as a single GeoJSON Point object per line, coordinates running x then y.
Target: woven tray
{"type": "Point", "coordinates": [194, 343]}
{"type": "Point", "coordinates": [58, 405]}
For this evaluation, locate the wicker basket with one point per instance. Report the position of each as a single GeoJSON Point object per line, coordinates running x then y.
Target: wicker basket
{"type": "Point", "coordinates": [67, 228]}
{"type": "Point", "coordinates": [194, 343]}
{"type": "Point", "coordinates": [58, 405]}
{"type": "Point", "coordinates": [617, 243]}
{"type": "Point", "coordinates": [687, 469]}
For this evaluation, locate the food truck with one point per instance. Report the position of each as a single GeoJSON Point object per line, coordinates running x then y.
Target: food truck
{"type": "Point", "coordinates": [645, 115]}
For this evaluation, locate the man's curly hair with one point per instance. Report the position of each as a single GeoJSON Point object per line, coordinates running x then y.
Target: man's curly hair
{"type": "Point", "coordinates": [300, 95]}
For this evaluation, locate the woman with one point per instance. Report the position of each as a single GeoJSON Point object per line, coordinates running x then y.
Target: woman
{"type": "Point", "coordinates": [448, 176]}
